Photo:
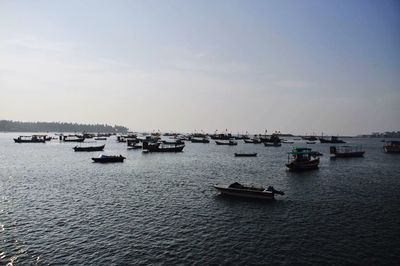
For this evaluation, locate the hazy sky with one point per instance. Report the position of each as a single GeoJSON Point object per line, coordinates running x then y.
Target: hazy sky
{"type": "Point", "coordinates": [293, 66]}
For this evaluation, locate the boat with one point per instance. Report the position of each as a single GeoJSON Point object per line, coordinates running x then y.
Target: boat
{"type": "Point", "coordinates": [72, 138]}
{"type": "Point", "coordinates": [109, 159]}
{"type": "Point", "coordinates": [346, 151]}
{"type": "Point", "coordinates": [89, 148]}
{"type": "Point", "coordinates": [245, 154]}
{"type": "Point", "coordinates": [253, 141]}
{"type": "Point", "coordinates": [238, 190]}
{"type": "Point", "coordinates": [227, 136]}
{"type": "Point", "coordinates": [136, 146]}
{"type": "Point", "coordinates": [288, 141]}
{"type": "Point", "coordinates": [200, 140]}
{"type": "Point", "coordinates": [311, 142]}
{"type": "Point", "coordinates": [274, 144]}
{"type": "Point", "coordinates": [30, 139]}
{"type": "Point", "coordinates": [274, 138]}
{"type": "Point", "coordinates": [392, 147]}
{"type": "Point", "coordinates": [303, 159]}
{"type": "Point", "coordinates": [310, 138]}
{"type": "Point", "coordinates": [227, 143]}
{"type": "Point", "coordinates": [100, 138]}
{"type": "Point", "coordinates": [162, 147]}
{"type": "Point", "coordinates": [173, 142]}
{"type": "Point", "coordinates": [333, 140]}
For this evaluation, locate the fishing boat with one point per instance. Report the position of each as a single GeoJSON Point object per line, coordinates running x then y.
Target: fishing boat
{"type": "Point", "coordinates": [302, 159]}
{"type": "Point", "coordinates": [200, 140]}
{"type": "Point", "coordinates": [333, 140]}
{"type": "Point", "coordinates": [227, 143]}
{"type": "Point", "coordinates": [288, 141]}
{"type": "Point", "coordinates": [244, 191]}
{"type": "Point", "coordinates": [310, 138]}
{"type": "Point", "coordinates": [392, 147]}
{"type": "Point", "coordinates": [253, 141]}
{"type": "Point", "coordinates": [273, 139]}
{"type": "Point", "coordinates": [89, 148]}
{"type": "Point", "coordinates": [72, 138]}
{"type": "Point", "coordinates": [30, 139]}
{"type": "Point", "coordinates": [346, 151]}
{"type": "Point", "coordinates": [245, 154]}
{"type": "Point", "coordinates": [274, 144]}
{"type": "Point", "coordinates": [162, 147]}
{"type": "Point", "coordinates": [109, 159]}
{"type": "Point", "coordinates": [226, 136]}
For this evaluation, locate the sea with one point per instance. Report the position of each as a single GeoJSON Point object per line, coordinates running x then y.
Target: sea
{"type": "Point", "coordinates": [57, 207]}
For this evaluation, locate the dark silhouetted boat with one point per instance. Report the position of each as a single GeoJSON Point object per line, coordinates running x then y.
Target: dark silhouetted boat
{"type": "Point", "coordinates": [109, 159]}
{"type": "Point", "coordinates": [31, 139]}
{"type": "Point", "coordinates": [333, 140]}
{"type": "Point", "coordinates": [245, 154]}
{"type": "Point", "coordinates": [311, 142]}
{"type": "Point", "coordinates": [346, 151]}
{"type": "Point", "coordinates": [310, 138]}
{"type": "Point", "coordinates": [303, 159]}
{"type": "Point", "coordinates": [227, 143]}
{"type": "Point", "coordinates": [392, 147]}
{"type": "Point", "coordinates": [162, 147]}
{"type": "Point", "coordinates": [200, 140]}
{"type": "Point", "coordinates": [100, 138]}
{"type": "Point", "coordinates": [89, 148]}
{"type": "Point", "coordinates": [244, 191]}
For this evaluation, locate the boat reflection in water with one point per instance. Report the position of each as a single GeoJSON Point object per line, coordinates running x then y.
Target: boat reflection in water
{"type": "Point", "coordinates": [238, 190]}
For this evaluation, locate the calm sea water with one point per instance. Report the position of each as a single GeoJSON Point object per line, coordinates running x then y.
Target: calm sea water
{"type": "Point", "coordinates": [57, 207]}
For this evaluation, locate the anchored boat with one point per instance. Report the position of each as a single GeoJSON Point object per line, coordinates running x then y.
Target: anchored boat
{"type": "Point", "coordinates": [303, 159]}
{"type": "Point", "coordinates": [89, 148]}
{"type": "Point", "coordinates": [162, 147]}
{"type": "Point", "coordinates": [245, 154]}
{"type": "Point", "coordinates": [238, 190]}
{"type": "Point", "coordinates": [392, 147]}
{"type": "Point", "coordinates": [346, 151]}
{"type": "Point", "coordinates": [228, 143]}
{"type": "Point", "coordinates": [31, 139]}
{"type": "Point", "coordinates": [109, 159]}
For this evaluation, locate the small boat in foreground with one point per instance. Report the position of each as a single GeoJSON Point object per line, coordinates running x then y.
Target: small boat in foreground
{"type": "Point", "coordinates": [238, 190]}
{"type": "Point", "coordinates": [227, 143]}
{"type": "Point", "coordinates": [303, 159]}
{"type": "Point", "coordinates": [89, 148]}
{"type": "Point", "coordinates": [245, 154]}
{"type": "Point", "coordinates": [392, 147]}
{"type": "Point", "coordinates": [109, 159]}
{"type": "Point", "coordinates": [346, 151]}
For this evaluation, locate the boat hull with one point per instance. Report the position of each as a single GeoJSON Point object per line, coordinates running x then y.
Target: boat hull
{"type": "Point", "coordinates": [303, 166]}
{"type": "Point", "coordinates": [243, 193]}
{"type": "Point", "coordinates": [226, 143]}
{"type": "Point", "coordinates": [349, 154]}
{"type": "Point", "coordinates": [87, 149]}
{"type": "Point", "coordinates": [29, 141]}
{"type": "Point", "coordinates": [117, 159]}
{"type": "Point", "coordinates": [245, 154]}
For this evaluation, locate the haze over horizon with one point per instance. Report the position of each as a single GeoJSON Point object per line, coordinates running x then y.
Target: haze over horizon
{"type": "Point", "coordinates": [291, 66]}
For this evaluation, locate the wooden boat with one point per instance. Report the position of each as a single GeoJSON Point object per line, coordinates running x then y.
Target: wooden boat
{"type": "Point", "coordinates": [202, 140]}
{"type": "Point", "coordinates": [275, 144]}
{"type": "Point", "coordinates": [245, 154]}
{"type": "Point", "coordinates": [30, 139]}
{"type": "Point", "coordinates": [162, 147]}
{"type": "Point", "coordinates": [334, 140]}
{"type": "Point", "coordinates": [392, 147]}
{"type": "Point", "coordinates": [239, 190]}
{"type": "Point", "coordinates": [89, 148]}
{"type": "Point", "coordinates": [227, 143]}
{"type": "Point", "coordinates": [109, 159]}
{"type": "Point", "coordinates": [72, 138]}
{"type": "Point", "coordinates": [253, 141]}
{"type": "Point", "coordinates": [303, 159]}
{"type": "Point", "coordinates": [346, 151]}
{"type": "Point", "coordinates": [221, 136]}
{"type": "Point", "coordinates": [274, 138]}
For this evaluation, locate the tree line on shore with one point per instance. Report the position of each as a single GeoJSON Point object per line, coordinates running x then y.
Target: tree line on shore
{"type": "Point", "coordinates": [17, 126]}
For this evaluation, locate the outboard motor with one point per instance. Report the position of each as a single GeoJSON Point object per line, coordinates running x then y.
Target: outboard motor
{"type": "Point", "coordinates": [273, 190]}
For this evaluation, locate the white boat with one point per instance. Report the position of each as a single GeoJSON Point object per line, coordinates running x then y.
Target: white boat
{"type": "Point", "coordinates": [239, 190]}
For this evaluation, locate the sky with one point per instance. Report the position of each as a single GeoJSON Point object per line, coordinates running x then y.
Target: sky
{"type": "Point", "coordinates": [302, 67]}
